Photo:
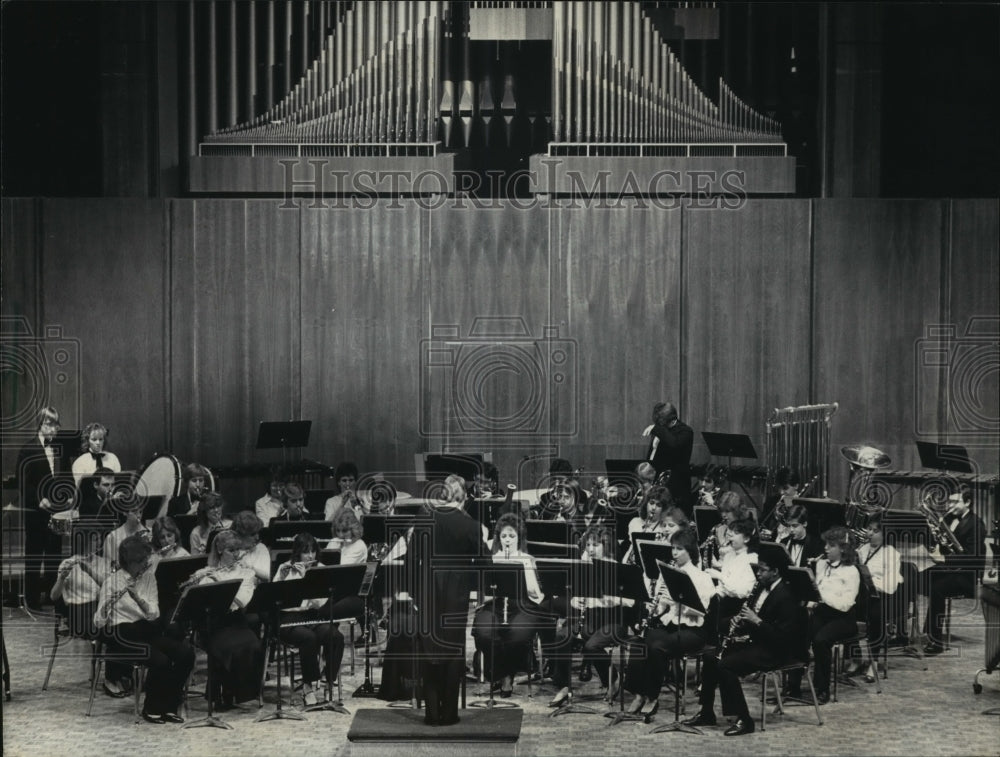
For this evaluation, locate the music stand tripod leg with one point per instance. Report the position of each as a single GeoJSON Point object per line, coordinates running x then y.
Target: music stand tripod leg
{"type": "Point", "coordinates": [210, 720]}
{"type": "Point", "coordinates": [329, 705]}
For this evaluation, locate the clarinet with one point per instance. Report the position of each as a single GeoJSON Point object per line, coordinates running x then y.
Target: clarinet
{"type": "Point", "coordinates": [735, 623]}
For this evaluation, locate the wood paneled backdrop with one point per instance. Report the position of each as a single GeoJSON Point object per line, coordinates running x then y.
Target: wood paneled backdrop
{"type": "Point", "coordinates": [395, 328]}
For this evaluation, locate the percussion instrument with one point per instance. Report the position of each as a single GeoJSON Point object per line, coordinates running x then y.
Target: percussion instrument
{"type": "Point", "coordinates": [62, 523]}
{"type": "Point", "coordinates": [162, 477]}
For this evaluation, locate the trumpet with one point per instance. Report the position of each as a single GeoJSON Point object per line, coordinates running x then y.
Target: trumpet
{"type": "Point", "coordinates": [947, 540]}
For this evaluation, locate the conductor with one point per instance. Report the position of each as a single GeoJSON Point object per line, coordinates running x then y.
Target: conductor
{"type": "Point", "coordinates": [670, 451]}
{"type": "Point", "coordinates": [441, 598]}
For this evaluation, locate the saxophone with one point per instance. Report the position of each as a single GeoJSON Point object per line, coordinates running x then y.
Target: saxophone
{"type": "Point", "coordinates": [731, 635]}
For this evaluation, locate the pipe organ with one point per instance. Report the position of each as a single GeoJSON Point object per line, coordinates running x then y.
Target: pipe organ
{"type": "Point", "coordinates": [416, 78]}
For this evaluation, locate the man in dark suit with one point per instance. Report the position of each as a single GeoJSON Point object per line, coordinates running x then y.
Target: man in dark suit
{"type": "Point", "coordinates": [38, 463]}
{"type": "Point", "coordinates": [957, 576]}
{"type": "Point", "coordinates": [670, 450]}
{"type": "Point", "coordinates": [773, 622]}
{"type": "Point", "coordinates": [802, 546]}
{"type": "Point", "coordinates": [441, 598]}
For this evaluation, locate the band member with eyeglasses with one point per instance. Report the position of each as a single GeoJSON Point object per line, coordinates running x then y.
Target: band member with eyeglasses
{"type": "Point", "coordinates": [957, 575]}
{"type": "Point", "coordinates": [271, 504]}
{"type": "Point", "coordinates": [210, 519]}
{"type": "Point", "coordinates": [802, 546]}
{"type": "Point", "coordinates": [128, 614]}
{"type": "Point", "coordinates": [670, 450]}
{"type": "Point", "coordinates": [194, 481]}
{"type": "Point", "coordinates": [38, 463]}
{"type": "Point", "coordinates": [346, 478]}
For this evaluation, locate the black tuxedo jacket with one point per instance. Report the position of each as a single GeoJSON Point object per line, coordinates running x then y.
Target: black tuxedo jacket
{"type": "Point", "coordinates": [971, 534]}
{"type": "Point", "coordinates": [813, 547]}
{"type": "Point", "coordinates": [782, 629]}
{"type": "Point", "coordinates": [33, 473]}
{"type": "Point", "coordinates": [674, 453]}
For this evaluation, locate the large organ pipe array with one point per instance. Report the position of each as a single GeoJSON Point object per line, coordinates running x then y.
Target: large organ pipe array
{"type": "Point", "coordinates": [399, 72]}
{"type": "Point", "coordinates": [799, 438]}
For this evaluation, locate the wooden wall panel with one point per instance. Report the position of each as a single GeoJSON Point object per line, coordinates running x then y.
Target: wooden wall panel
{"type": "Point", "coordinates": [620, 270]}
{"type": "Point", "coordinates": [877, 282]}
{"type": "Point", "coordinates": [361, 298]}
{"type": "Point", "coordinates": [746, 317]}
{"type": "Point", "coordinates": [489, 281]}
{"type": "Point", "coordinates": [104, 267]}
{"type": "Point", "coordinates": [970, 412]}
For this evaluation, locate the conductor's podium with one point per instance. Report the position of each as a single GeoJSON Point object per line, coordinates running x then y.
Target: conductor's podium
{"type": "Point", "coordinates": [485, 733]}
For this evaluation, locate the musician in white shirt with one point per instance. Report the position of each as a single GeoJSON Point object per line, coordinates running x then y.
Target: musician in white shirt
{"type": "Point", "coordinates": [94, 436]}
{"type": "Point", "coordinates": [346, 476]}
{"type": "Point", "coordinates": [833, 619]}
{"type": "Point", "coordinates": [271, 504]}
{"type": "Point", "coordinates": [673, 629]}
{"type": "Point", "coordinates": [883, 563]}
{"type": "Point", "coordinates": [735, 572]}
{"type": "Point", "coordinates": [131, 527]}
{"type": "Point", "coordinates": [128, 614]}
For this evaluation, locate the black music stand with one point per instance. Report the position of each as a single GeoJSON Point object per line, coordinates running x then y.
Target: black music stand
{"type": "Point", "coordinates": [486, 511]}
{"type": "Point", "coordinates": [630, 585]}
{"type": "Point", "coordinates": [730, 446]}
{"type": "Point", "coordinates": [203, 603]}
{"type": "Point", "coordinates": [683, 594]}
{"type": "Point", "coordinates": [652, 552]}
{"type": "Point", "coordinates": [949, 457]}
{"type": "Point", "coordinates": [551, 531]}
{"type": "Point", "coordinates": [552, 550]}
{"type": "Point", "coordinates": [277, 596]}
{"type": "Point", "coordinates": [507, 582]}
{"type": "Point", "coordinates": [170, 574]}
{"type": "Point", "coordinates": [337, 582]}
{"type": "Point", "coordinates": [574, 578]}
{"type": "Point", "coordinates": [637, 536]}
{"type": "Point", "coordinates": [705, 521]}
{"type": "Point", "coordinates": [823, 513]}
{"type": "Point", "coordinates": [283, 435]}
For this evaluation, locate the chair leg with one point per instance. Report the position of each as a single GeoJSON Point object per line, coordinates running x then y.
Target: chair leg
{"type": "Point", "coordinates": [866, 651]}
{"type": "Point", "coordinates": [763, 703]}
{"type": "Point", "coordinates": [947, 622]}
{"type": "Point", "coordinates": [138, 683]}
{"type": "Point", "coordinates": [812, 690]}
{"type": "Point", "coordinates": [98, 669]}
{"type": "Point", "coordinates": [353, 627]}
{"type": "Point", "coordinates": [52, 660]}
{"type": "Point", "coordinates": [835, 673]}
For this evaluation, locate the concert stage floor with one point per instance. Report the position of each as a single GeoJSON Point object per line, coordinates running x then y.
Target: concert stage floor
{"type": "Point", "coordinates": [480, 732]}
{"type": "Point", "coordinates": [919, 713]}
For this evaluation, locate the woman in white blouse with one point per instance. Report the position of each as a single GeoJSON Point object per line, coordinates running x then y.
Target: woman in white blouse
{"type": "Point", "coordinates": [673, 629]}
{"type": "Point", "coordinates": [735, 571]}
{"type": "Point", "coordinates": [505, 626]}
{"type": "Point", "coordinates": [883, 563]}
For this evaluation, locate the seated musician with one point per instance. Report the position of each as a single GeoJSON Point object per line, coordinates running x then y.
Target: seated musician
{"type": "Point", "coordinates": [310, 637]}
{"type": "Point", "coordinates": [883, 564]}
{"type": "Point", "coordinates": [346, 530]}
{"type": "Point", "coordinates": [254, 555]}
{"type": "Point", "coordinates": [802, 546]}
{"type": "Point", "coordinates": [834, 618]}
{"type": "Point", "coordinates": [658, 516]}
{"type": "Point", "coordinates": [96, 494]}
{"type": "Point", "coordinates": [210, 519]}
{"type": "Point", "coordinates": [735, 571]}
{"type": "Point", "coordinates": [193, 480]}
{"type": "Point", "coordinates": [128, 615]}
{"type": "Point", "coordinates": [776, 507]}
{"type": "Point", "coordinates": [235, 652]}
{"type": "Point", "coordinates": [504, 628]}
{"type": "Point", "coordinates": [564, 496]}
{"type": "Point", "coordinates": [167, 539]}
{"type": "Point", "coordinates": [732, 508]}
{"type": "Point", "coordinates": [78, 584]}
{"type": "Point", "coordinates": [346, 476]}
{"type": "Point", "coordinates": [672, 631]}
{"type": "Point", "coordinates": [293, 504]}
{"type": "Point", "coordinates": [767, 633]}
{"type": "Point", "coordinates": [93, 455]}
{"type": "Point", "coordinates": [131, 527]}
{"type": "Point", "coordinates": [271, 504]}
{"type": "Point", "coordinates": [599, 621]}
{"type": "Point", "coordinates": [957, 576]}
{"type": "Point", "coordinates": [485, 482]}
{"type": "Point", "coordinates": [710, 487]}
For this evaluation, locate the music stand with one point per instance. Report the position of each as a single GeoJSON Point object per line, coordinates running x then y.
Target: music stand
{"type": "Point", "coordinates": [730, 446]}
{"type": "Point", "coordinates": [277, 596]}
{"type": "Point", "coordinates": [507, 582]}
{"type": "Point", "coordinates": [486, 511]}
{"type": "Point", "coordinates": [574, 578]}
{"type": "Point", "coordinates": [337, 582]}
{"type": "Point", "coordinates": [705, 520]}
{"type": "Point", "coordinates": [683, 594]}
{"type": "Point", "coordinates": [283, 435]}
{"type": "Point", "coordinates": [170, 574]}
{"type": "Point", "coordinates": [551, 531]}
{"type": "Point", "coordinates": [203, 603]}
{"type": "Point", "coordinates": [823, 513]}
{"type": "Point", "coordinates": [630, 584]}
{"type": "Point", "coordinates": [652, 552]}
{"type": "Point", "coordinates": [949, 457]}
{"type": "Point", "coordinates": [549, 549]}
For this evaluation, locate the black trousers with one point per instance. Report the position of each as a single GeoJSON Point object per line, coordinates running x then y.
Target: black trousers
{"type": "Point", "coordinates": [169, 660]}
{"type": "Point", "coordinates": [739, 660]}
{"type": "Point", "coordinates": [506, 647]}
{"type": "Point", "coordinates": [310, 640]}
{"type": "Point", "coordinates": [826, 627]}
{"type": "Point", "coordinates": [442, 680]}
{"type": "Point", "coordinates": [42, 555]}
{"type": "Point", "coordinates": [944, 584]}
{"type": "Point", "coordinates": [650, 656]}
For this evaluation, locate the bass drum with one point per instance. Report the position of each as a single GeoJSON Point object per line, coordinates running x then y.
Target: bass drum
{"type": "Point", "coordinates": [162, 478]}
